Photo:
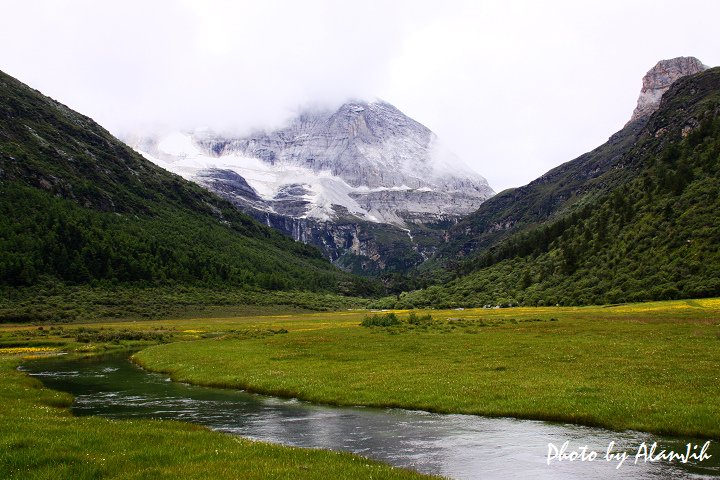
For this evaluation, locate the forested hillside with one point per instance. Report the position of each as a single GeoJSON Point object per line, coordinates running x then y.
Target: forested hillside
{"type": "Point", "coordinates": [653, 232]}
{"type": "Point", "coordinates": [79, 207]}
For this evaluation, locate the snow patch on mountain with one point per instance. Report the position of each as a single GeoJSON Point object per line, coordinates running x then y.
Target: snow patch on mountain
{"type": "Point", "coordinates": [178, 153]}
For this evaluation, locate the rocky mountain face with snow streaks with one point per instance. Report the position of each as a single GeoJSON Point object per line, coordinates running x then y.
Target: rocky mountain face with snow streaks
{"type": "Point", "coordinates": [372, 188]}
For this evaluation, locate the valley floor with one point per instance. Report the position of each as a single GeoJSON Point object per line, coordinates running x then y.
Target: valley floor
{"type": "Point", "coordinates": [650, 367]}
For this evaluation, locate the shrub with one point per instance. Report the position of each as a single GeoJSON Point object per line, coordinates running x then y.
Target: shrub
{"type": "Point", "coordinates": [415, 319]}
{"type": "Point", "coordinates": [87, 335]}
{"type": "Point", "coordinates": [380, 320]}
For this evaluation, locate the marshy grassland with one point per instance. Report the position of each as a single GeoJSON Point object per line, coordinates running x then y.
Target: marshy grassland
{"type": "Point", "coordinates": [652, 367]}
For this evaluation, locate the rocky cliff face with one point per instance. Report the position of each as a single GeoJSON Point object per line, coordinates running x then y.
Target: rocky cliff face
{"type": "Point", "coordinates": [364, 180]}
{"type": "Point", "coordinates": [658, 80]}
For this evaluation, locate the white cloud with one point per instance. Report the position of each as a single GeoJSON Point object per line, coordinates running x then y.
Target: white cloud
{"type": "Point", "coordinates": [514, 88]}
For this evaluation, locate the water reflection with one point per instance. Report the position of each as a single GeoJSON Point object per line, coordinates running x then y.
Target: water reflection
{"type": "Point", "coordinates": [457, 446]}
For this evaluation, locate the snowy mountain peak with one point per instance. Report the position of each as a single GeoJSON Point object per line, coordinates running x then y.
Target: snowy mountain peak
{"type": "Point", "coordinates": [365, 159]}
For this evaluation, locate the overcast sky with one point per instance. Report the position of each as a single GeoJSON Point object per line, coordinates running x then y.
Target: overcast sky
{"type": "Point", "coordinates": [514, 88]}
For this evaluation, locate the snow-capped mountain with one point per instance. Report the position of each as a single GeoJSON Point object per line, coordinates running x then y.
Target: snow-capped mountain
{"type": "Point", "coordinates": [364, 163]}
{"type": "Point", "coordinates": [368, 159]}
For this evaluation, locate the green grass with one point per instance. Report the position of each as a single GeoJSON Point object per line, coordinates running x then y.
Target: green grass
{"type": "Point", "coordinates": [650, 367]}
{"type": "Point", "coordinates": [40, 439]}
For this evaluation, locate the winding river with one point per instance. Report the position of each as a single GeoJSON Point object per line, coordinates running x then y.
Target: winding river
{"type": "Point", "coordinates": [456, 446]}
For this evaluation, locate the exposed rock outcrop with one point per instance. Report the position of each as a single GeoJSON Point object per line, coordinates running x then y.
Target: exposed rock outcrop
{"type": "Point", "coordinates": [659, 78]}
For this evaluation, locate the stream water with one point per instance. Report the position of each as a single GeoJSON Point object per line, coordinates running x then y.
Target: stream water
{"type": "Point", "coordinates": [456, 446]}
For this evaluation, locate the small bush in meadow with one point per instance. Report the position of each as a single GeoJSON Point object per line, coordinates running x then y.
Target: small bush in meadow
{"type": "Point", "coordinates": [415, 319]}
{"type": "Point", "coordinates": [380, 320]}
{"type": "Point", "coordinates": [88, 335]}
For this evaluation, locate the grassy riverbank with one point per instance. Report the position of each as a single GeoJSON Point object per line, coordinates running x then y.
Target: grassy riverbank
{"type": "Point", "coordinates": [651, 367]}
{"type": "Point", "coordinates": [40, 439]}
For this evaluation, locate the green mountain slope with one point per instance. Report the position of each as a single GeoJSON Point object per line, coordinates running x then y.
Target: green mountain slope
{"type": "Point", "coordinates": [550, 196]}
{"type": "Point", "coordinates": [77, 206]}
{"type": "Point", "coordinates": [646, 225]}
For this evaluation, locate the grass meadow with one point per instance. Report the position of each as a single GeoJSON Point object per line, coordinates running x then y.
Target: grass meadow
{"type": "Point", "coordinates": [651, 367]}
